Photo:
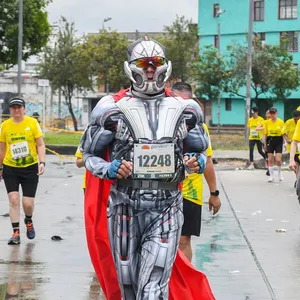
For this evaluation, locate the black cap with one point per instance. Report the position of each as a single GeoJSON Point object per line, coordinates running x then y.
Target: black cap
{"type": "Point", "coordinates": [16, 101]}
{"type": "Point", "coordinates": [254, 110]}
{"type": "Point", "coordinates": [273, 110]}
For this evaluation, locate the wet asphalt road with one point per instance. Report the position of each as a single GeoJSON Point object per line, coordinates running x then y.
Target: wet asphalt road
{"type": "Point", "coordinates": [239, 250]}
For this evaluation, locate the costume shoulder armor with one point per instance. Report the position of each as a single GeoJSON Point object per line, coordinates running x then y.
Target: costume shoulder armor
{"type": "Point", "coordinates": [104, 108]}
{"type": "Point", "coordinates": [194, 108]}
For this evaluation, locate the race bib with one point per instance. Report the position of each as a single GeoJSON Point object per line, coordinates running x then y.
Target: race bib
{"type": "Point", "coordinates": [154, 161]}
{"type": "Point", "coordinates": [254, 133]}
{"type": "Point", "coordinates": [19, 150]}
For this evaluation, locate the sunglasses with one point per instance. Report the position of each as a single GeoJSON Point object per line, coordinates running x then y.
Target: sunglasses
{"type": "Point", "coordinates": [155, 61]}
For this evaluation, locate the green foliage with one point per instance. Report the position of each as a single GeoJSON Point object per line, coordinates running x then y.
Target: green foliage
{"type": "Point", "coordinates": [210, 73]}
{"type": "Point", "coordinates": [62, 65]}
{"type": "Point", "coordinates": [36, 29]}
{"type": "Point", "coordinates": [181, 42]}
{"type": "Point", "coordinates": [272, 70]}
{"type": "Point", "coordinates": [103, 55]}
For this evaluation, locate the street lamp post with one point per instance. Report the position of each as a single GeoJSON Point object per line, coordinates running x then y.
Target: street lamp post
{"type": "Point", "coordinates": [249, 68]}
{"type": "Point", "coordinates": [105, 20]}
{"type": "Point", "coordinates": [221, 11]}
{"type": "Point", "coordinates": [20, 46]}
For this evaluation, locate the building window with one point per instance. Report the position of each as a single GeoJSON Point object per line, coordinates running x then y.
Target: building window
{"type": "Point", "coordinates": [292, 37]}
{"type": "Point", "coordinates": [259, 10]}
{"type": "Point", "coordinates": [261, 36]}
{"type": "Point", "coordinates": [288, 9]}
{"type": "Point", "coordinates": [85, 108]}
{"type": "Point", "coordinates": [216, 41]}
{"type": "Point", "coordinates": [228, 104]}
{"type": "Point", "coordinates": [216, 9]}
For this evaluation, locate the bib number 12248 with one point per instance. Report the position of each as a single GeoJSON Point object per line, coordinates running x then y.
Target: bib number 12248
{"type": "Point", "coordinates": [154, 160]}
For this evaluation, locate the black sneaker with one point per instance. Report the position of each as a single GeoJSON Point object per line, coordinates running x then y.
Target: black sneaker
{"type": "Point", "coordinates": [15, 239]}
{"type": "Point", "coordinates": [30, 233]}
{"type": "Point", "coordinates": [268, 173]}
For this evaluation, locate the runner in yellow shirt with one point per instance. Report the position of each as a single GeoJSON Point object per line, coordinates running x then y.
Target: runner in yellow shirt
{"type": "Point", "coordinates": [80, 164]}
{"type": "Point", "coordinates": [22, 161]}
{"type": "Point", "coordinates": [293, 163]}
{"type": "Point", "coordinates": [274, 142]}
{"type": "Point", "coordinates": [192, 188]}
{"type": "Point", "coordinates": [288, 134]}
{"type": "Point", "coordinates": [255, 136]}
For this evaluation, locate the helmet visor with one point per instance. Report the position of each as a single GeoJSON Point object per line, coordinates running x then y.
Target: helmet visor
{"type": "Point", "coordinates": [155, 61]}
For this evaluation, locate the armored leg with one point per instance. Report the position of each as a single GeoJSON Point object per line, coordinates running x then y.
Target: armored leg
{"type": "Point", "coordinates": [158, 251]}
{"type": "Point", "coordinates": [123, 242]}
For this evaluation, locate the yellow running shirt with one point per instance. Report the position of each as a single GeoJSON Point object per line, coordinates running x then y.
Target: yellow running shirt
{"type": "Point", "coordinates": [274, 128]}
{"type": "Point", "coordinates": [79, 155]}
{"type": "Point", "coordinates": [289, 129]}
{"type": "Point", "coordinates": [192, 187]}
{"type": "Point", "coordinates": [252, 125]}
{"type": "Point", "coordinates": [20, 142]}
{"type": "Point", "coordinates": [296, 136]}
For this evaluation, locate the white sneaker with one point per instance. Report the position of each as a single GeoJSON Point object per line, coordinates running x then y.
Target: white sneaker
{"type": "Point", "coordinates": [281, 178]}
{"type": "Point", "coordinates": [251, 167]}
{"type": "Point", "coordinates": [270, 179]}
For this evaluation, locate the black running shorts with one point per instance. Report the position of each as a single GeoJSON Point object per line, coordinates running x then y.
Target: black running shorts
{"type": "Point", "coordinates": [26, 177]}
{"type": "Point", "coordinates": [274, 144]}
{"type": "Point", "coordinates": [192, 218]}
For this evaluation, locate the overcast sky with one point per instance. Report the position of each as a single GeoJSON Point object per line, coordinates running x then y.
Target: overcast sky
{"type": "Point", "coordinates": [127, 15]}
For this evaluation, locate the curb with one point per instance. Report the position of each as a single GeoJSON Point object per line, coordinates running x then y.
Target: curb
{"type": "Point", "coordinates": [62, 149]}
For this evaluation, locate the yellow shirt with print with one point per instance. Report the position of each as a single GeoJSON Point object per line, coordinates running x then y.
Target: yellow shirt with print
{"type": "Point", "coordinates": [296, 136]}
{"type": "Point", "coordinates": [252, 125]}
{"type": "Point", "coordinates": [79, 155]}
{"type": "Point", "coordinates": [274, 128]}
{"type": "Point", "coordinates": [289, 129]}
{"type": "Point", "coordinates": [24, 133]}
{"type": "Point", "coordinates": [192, 187]}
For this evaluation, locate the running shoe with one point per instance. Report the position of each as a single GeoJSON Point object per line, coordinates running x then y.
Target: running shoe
{"type": "Point", "coordinates": [270, 179]}
{"type": "Point", "coordinates": [15, 239]}
{"type": "Point", "coordinates": [251, 167]}
{"type": "Point", "coordinates": [30, 233]}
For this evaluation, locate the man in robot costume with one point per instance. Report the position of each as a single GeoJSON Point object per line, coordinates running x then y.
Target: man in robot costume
{"type": "Point", "coordinates": [145, 202]}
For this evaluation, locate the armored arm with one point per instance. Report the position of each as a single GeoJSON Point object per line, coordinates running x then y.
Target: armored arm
{"type": "Point", "coordinates": [197, 140]}
{"type": "Point", "coordinates": [98, 135]}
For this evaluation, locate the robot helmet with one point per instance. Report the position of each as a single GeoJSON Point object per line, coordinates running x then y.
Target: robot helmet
{"type": "Point", "coordinates": [141, 54]}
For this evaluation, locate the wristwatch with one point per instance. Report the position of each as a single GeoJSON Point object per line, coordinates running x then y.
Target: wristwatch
{"type": "Point", "coordinates": [215, 193]}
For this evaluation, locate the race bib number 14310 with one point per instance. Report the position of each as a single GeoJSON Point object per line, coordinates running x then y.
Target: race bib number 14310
{"type": "Point", "coordinates": [154, 161]}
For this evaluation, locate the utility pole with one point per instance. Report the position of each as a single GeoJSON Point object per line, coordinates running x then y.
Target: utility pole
{"type": "Point", "coordinates": [249, 68]}
{"type": "Point", "coordinates": [219, 12]}
{"type": "Point", "coordinates": [20, 46]}
{"type": "Point", "coordinates": [219, 92]}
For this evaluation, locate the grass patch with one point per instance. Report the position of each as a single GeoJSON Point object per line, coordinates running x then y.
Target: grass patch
{"type": "Point", "coordinates": [219, 141]}
{"type": "Point", "coordinates": [62, 138]}
{"type": "Point", "coordinates": [228, 142]}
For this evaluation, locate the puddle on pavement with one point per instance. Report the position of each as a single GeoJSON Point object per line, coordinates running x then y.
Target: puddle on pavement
{"type": "Point", "coordinates": [23, 274]}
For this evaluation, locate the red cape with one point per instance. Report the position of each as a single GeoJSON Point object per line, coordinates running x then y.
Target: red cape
{"type": "Point", "coordinates": [185, 279]}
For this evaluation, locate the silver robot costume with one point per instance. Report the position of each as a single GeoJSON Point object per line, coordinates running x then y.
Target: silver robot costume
{"type": "Point", "coordinates": [153, 131]}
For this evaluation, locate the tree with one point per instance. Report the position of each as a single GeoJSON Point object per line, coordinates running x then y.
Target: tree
{"type": "Point", "coordinates": [62, 65]}
{"type": "Point", "coordinates": [272, 70]}
{"type": "Point", "coordinates": [36, 29]}
{"type": "Point", "coordinates": [104, 55]}
{"type": "Point", "coordinates": [210, 73]}
{"type": "Point", "coordinates": [181, 42]}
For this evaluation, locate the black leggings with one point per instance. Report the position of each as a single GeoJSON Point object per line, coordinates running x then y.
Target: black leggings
{"type": "Point", "coordinates": [259, 148]}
